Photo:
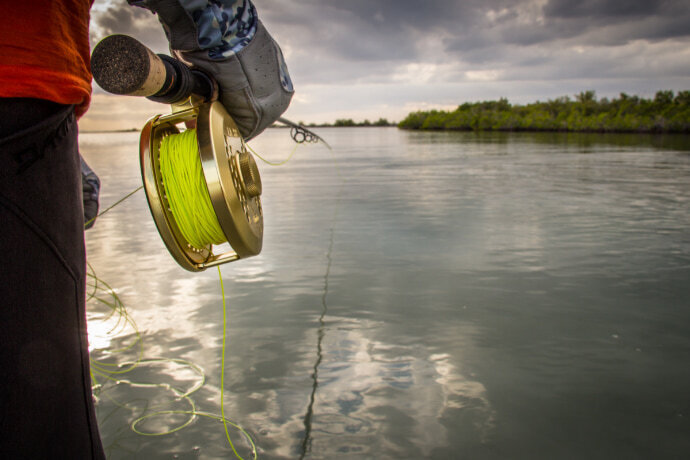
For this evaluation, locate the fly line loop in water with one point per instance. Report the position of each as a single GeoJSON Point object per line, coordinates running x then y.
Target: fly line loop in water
{"type": "Point", "coordinates": [203, 189]}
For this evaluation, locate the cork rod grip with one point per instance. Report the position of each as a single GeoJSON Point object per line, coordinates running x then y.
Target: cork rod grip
{"type": "Point", "coordinates": [122, 65]}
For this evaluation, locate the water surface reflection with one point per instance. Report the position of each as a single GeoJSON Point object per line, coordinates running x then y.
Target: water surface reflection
{"type": "Point", "coordinates": [427, 295]}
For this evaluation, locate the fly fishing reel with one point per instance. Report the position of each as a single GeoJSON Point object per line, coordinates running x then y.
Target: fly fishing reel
{"type": "Point", "coordinates": [122, 65]}
{"type": "Point", "coordinates": [231, 176]}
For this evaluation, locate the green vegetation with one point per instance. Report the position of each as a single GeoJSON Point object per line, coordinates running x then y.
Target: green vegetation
{"type": "Point", "coordinates": [666, 113]}
{"type": "Point", "coordinates": [348, 122]}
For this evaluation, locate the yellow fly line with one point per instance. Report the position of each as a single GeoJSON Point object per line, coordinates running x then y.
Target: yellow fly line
{"type": "Point", "coordinates": [185, 187]}
{"type": "Point", "coordinates": [189, 202]}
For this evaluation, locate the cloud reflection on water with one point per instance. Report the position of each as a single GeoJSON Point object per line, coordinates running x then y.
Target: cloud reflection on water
{"type": "Point", "coordinates": [372, 396]}
{"type": "Point", "coordinates": [472, 280]}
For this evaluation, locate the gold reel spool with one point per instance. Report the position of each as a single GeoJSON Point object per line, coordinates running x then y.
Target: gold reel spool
{"type": "Point", "coordinates": [231, 176]}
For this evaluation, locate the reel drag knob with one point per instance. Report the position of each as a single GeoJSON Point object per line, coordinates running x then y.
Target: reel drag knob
{"type": "Point", "coordinates": [250, 174]}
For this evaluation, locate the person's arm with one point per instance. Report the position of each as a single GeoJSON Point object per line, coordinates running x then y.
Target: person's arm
{"type": "Point", "coordinates": [226, 40]}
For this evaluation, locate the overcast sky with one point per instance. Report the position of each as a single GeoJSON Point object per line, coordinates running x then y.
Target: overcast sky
{"type": "Point", "coordinates": [365, 59]}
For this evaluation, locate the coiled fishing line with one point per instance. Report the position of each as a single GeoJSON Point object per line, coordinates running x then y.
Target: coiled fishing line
{"type": "Point", "coordinates": [186, 191]}
{"type": "Point", "coordinates": [101, 294]}
{"type": "Point", "coordinates": [190, 203]}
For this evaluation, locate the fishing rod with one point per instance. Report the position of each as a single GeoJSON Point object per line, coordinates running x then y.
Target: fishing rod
{"type": "Point", "coordinates": [228, 172]}
{"type": "Point", "coordinates": [300, 134]}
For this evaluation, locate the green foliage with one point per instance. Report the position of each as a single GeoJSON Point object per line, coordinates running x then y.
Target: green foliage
{"type": "Point", "coordinates": [344, 122]}
{"type": "Point", "coordinates": [348, 122]}
{"type": "Point", "coordinates": [667, 112]}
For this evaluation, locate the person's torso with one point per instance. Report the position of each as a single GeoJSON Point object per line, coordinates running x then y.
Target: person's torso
{"type": "Point", "coordinates": [44, 51]}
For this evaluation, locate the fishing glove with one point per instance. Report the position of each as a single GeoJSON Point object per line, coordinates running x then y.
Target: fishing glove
{"type": "Point", "coordinates": [225, 39]}
{"type": "Point", "coordinates": [91, 185]}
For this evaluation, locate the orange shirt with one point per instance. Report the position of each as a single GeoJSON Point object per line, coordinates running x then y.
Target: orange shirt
{"type": "Point", "coordinates": [44, 51]}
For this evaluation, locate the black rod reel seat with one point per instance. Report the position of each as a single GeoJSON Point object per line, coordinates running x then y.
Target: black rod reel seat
{"type": "Point", "coordinates": [122, 65]}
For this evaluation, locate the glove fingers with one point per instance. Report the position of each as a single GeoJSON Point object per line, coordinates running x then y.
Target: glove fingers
{"type": "Point", "coordinates": [255, 84]}
{"type": "Point", "coordinates": [91, 186]}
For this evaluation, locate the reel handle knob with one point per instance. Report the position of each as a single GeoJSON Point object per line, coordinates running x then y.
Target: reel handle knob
{"type": "Point", "coordinates": [122, 65]}
{"type": "Point", "coordinates": [250, 174]}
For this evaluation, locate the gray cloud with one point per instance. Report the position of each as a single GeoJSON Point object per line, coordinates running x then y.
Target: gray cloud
{"type": "Point", "coordinates": [400, 52]}
{"type": "Point", "coordinates": [118, 17]}
{"type": "Point", "coordinates": [371, 36]}
{"type": "Point", "coordinates": [611, 9]}
{"type": "Point", "coordinates": [624, 20]}
{"type": "Point", "coordinates": [368, 21]}
{"type": "Point", "coordinates": [336, 41]}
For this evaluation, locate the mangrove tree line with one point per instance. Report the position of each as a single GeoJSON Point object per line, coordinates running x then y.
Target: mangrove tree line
{"type": "Point", "coordinates": [666, 112]}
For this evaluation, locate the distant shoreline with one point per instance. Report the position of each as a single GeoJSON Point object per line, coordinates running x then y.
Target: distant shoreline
{"type": "Point", "coordinates": [666, 113]}
{"type": "Point", "coordinates": [349, 123]}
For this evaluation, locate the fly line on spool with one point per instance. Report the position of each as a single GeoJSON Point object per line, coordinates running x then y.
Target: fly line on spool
{"type": "Point", "coordinates": [186, 190]}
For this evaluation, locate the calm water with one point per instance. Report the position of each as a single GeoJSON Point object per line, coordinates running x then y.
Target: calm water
{"type": "Point", "coordinates": [419, 295]}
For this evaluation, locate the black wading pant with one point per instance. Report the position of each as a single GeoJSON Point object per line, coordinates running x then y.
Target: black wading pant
{"type": "Point", "coordinates": [46, 407]}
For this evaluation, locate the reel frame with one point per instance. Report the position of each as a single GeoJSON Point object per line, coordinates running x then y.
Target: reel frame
{"type": "Point", "coordinates": [231, 176]}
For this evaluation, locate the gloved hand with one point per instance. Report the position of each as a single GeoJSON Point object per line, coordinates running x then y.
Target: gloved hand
{"type": "Point", "coordinates": [226, 40]}
{"type": "Point", "coordinates": [91, 186]}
